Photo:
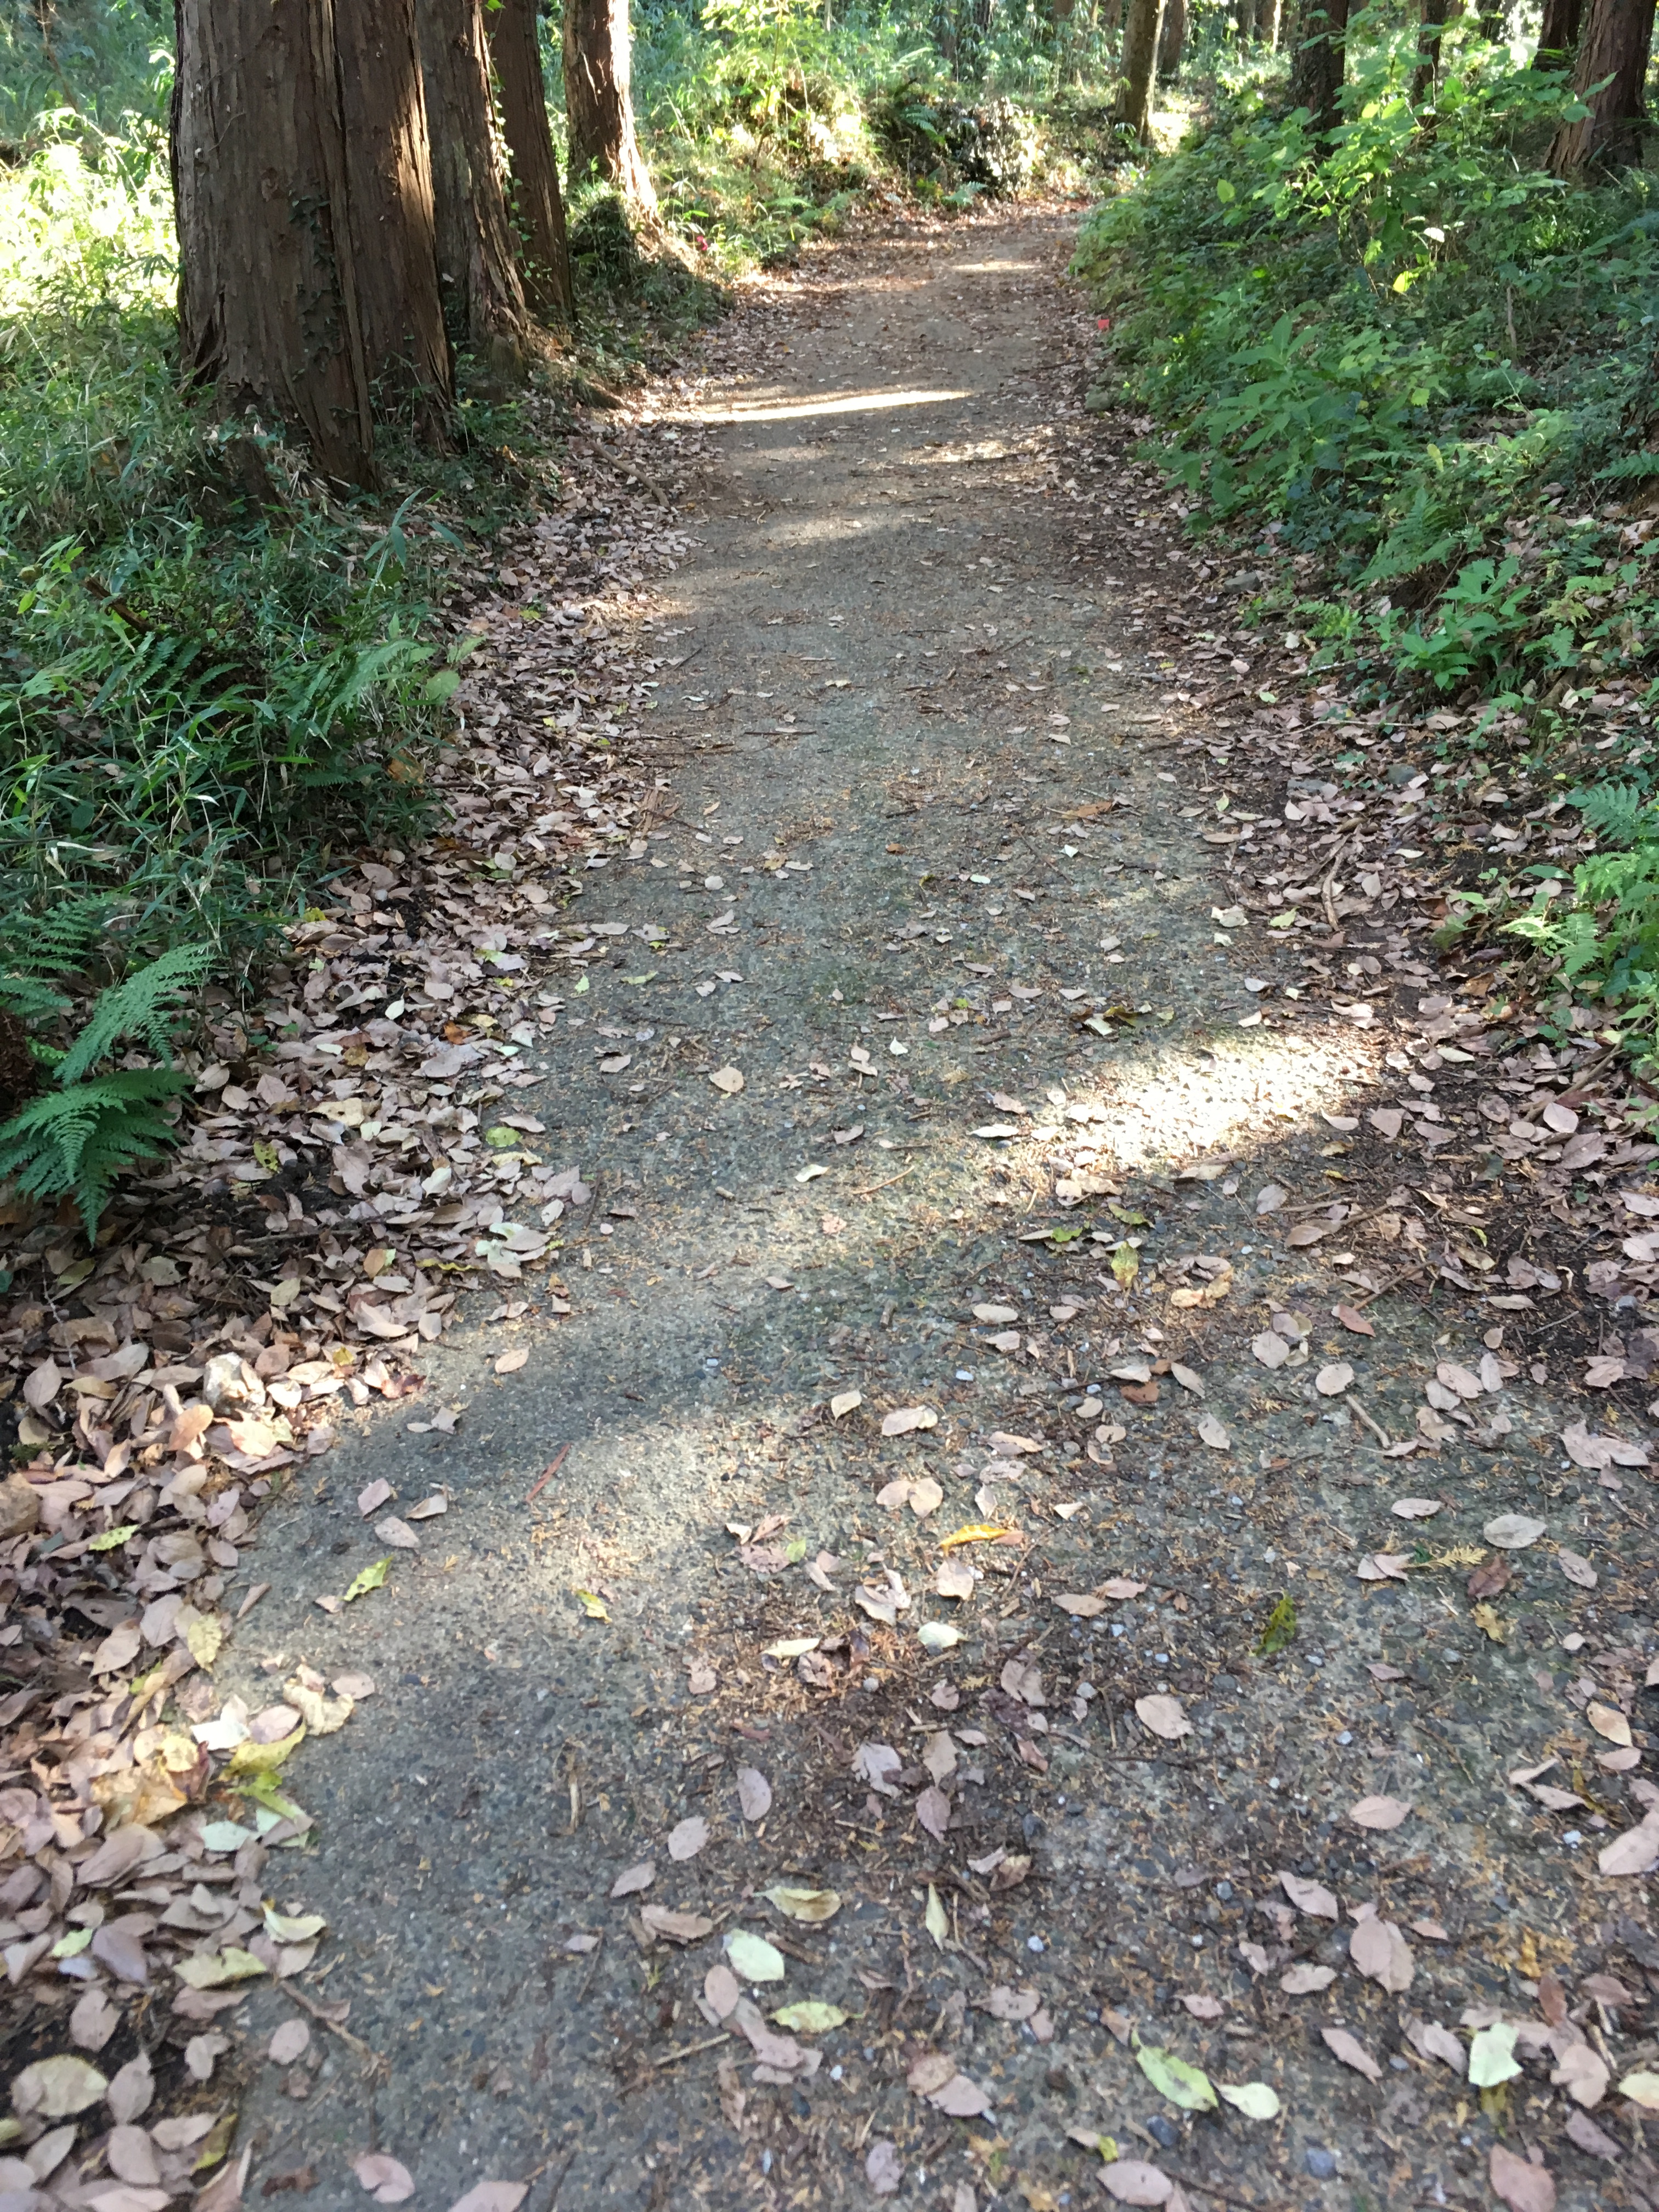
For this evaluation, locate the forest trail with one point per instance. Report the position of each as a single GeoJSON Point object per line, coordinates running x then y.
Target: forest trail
{"type": "Point", "coordinates": [930, 822]}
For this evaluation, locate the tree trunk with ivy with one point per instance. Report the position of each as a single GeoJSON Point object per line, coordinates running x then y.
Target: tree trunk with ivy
{"type": "Point", "coordinates": [1143, 26]}
{"type": "Point", "coordinates": [1319, 63]}
{"type": "Point", "coordinates": [308, 281]}
{"type": "Point", "coordinates": [483, 300]}
{"type": "Point", "coordinates": [598, 104]}
{"type": "Point", "coordinates": [1614, 45]}
{"type": "Point", "coordinates": [537, 204]}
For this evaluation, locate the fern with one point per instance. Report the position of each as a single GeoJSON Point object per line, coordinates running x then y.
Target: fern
{"type": "Point", "coordinates": [73, 1143]}
{"type": "Point", "coordinates": [144, 1005]}
{"type": "Point", "coordinates": [1618, 813]}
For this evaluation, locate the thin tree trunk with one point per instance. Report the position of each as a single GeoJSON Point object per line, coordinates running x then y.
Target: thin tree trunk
{"type": "Point", "coordinates": [1267, 15]}
{"type": "Point", "coordinates": [1435, 15]}
{"type": "Point", "coordinates": [1143, 25]}
{"type": "Point", "coordinates": [598, 103]}
{"type": "Point", "coordinates": [483, 299]}
{"type": "Point", "coordinates": [1319, 63]}
{"type": "Point", "coordinates": [1172, 40]}
{"type": "Point", "coordinates": [307, 276]}
{"type": "Point", "coordinates": [1243, 20]}
{"type": "Point", "coordinates": [1558, 34]}
{"type": "Point", "coordinates": [1614, 44]}
{"type": "Point", "coordinates": [537, 204]}
{"type": "Point", "coordinates": [1494, 24]}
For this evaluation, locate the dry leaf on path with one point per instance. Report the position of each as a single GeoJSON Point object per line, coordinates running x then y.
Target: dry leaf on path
{"type": "Point", "coordinates": [1330, 1381]}
{"type": "Point", "coordinates": [728, 1079]}
{"type": "Point", "coordinates": [1381, 1954]}
{"type": "Point", "coordinates": [754, 1794]}
{"type": "Point", "coordinates": [511, 1362]}
{"type": "Point", "coordinates": [635, 1879]}
{"type": "Point", "coordinates": [1522, 2185]}
{"type": "Point", "coordinates": [687, 1838]}
{"type": "Point", "coordinates": [388, 2181]}
{"type": "Point", "coordinates": [1163, 1717]}
{"type": "Point", "coordinates": [1342, 2045]}
{"type": "Point", "coordinates": [905, 1419]}
{"type": "Point", "coordinates": [1311, 1897]}
{"type": "Point", "coordinates": [1379, 1813]}
{"type": "Point", "coordinates": [1307, 1981]}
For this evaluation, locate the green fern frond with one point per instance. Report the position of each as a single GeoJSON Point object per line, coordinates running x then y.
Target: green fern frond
{"type": "Point", "coordinates": [1618, 813]}
{"type": "Point", "coordinates": [32, 1001]}
{"type": "Point", "coordinates": [143, 1005]}
{"type": "Point", "coordinates": [55, 942]}
{"type": "Point", "coordinates": [73, 1143]}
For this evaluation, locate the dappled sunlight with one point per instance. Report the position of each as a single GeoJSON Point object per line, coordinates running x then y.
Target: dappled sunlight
{"type": "Point", "coordinates": [857, 403]}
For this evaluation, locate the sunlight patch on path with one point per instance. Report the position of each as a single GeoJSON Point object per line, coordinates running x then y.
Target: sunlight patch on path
{"type": "Point", "coordinates": [857, 402]}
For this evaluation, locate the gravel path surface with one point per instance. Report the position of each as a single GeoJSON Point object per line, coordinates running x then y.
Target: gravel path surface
{"type": "Point", "coordinates": [933, 824]}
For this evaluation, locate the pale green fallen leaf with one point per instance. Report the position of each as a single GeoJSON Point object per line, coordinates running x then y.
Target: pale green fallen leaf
{"type": "Point", "coordinates": [1491, 2055]}
{"type": "Point", "coordinates": [804, 1904]}
{"type": "Point", "coordinates": [938, 1636]}
{"type": "Point", "coordinates": [810, 2017]}
{"type": "Point", "coordinates": [293, 1927]}
{"type": "Point", "coordinates": [370, 1579]}
{"type": "Point", "coordinates": [753, 1959]}
{"type": "Point", "coordinates": [226, 1836]}
{"type": "Point", "coordinates": [594, 1607]}
{"type": "Point", "coordinates": [68, 1947]}
{"type": "Point", "coordinates": [210, 1970]}
{"type": "Point", "coordinates": [1172, 2077]}
{"type": "Point", "coordinates": [205, 1638]}
{"type": "Point", "coordinates": [791, 1647]}
{"type": "Point", "coordinates": [1253, 2098]}
{"type": "Point", "coordinates": [938, 1926]}
{"type": "Point", "coordinates": [1641, 2088]}
{"type": "Point", "coordinates": [112, 1539]}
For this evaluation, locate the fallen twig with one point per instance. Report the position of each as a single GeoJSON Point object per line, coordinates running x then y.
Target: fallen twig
{"type": "Point", "coordinates": [547, 1475]}
{"type": "Point", "coordinates": [690, 2050]}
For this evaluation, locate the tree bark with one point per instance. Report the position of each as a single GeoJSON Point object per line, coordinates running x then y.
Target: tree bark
{"type": "Point", "coordinates": [1434, 16]}
{"type": "Point", "coordinates": [1614, 43]}
{"type": "Point", "coordinates": [307, 276]}
{"type": "Point", "coordinates": [1319, 63]}
{"type": "Point", "coordinates": [597, 104]}
{"type": "Point", "coordinates": [1558, 34]}
{"type": "Point", "coordinates": [483, 302]}
{"type": "Point", "coordinates": [1243, 20]}
{"type": "Point", "coordinates": [389, 179]}
{"type": "Point", "coordinates": [1143, 26]}
{"type": "Point", "coordinates": [1172, 39]}
{"type": "Point", "coordinates": [537, 204]}
{"type": "Point", "coordinates": [1267, 15]}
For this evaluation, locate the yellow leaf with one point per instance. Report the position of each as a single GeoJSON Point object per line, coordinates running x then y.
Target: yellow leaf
{"type": "Point", "coordinates": [370, 1579]}
{"type": "Point", "coordinates": [1491, 1623]}
{"type": "Point", "coordinates": [938, 1926]}
{"type": "Point", "coordinates": [205, 1638]}
{"type": "Point", "coordinates": [976, 1532]}
{"type": "Point", "coordinates": [267, 1155]}
{"type": "Point", "coordinates": [594, 1607]}
{"type": "Point", "coordinates": [250, 1758]}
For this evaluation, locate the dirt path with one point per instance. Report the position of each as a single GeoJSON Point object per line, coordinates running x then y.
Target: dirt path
{"type": "Point", "coordinates": [932, 820]}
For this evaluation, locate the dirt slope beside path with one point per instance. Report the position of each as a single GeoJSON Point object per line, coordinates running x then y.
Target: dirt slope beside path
{"type": "Point", "coordinates": [934, 1554]}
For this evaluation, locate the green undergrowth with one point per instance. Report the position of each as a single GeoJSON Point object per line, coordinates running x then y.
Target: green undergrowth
{"type": "Point", "coordinates": [1409, 380]}
{"type": "Point", "coordinates": [1422, 360]}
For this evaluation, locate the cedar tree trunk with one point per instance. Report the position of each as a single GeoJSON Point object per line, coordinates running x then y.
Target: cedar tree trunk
{"type": "Point", "coordinates": [538, 207]}
{"type": "Point", "coordinates": [1614, 44]}
{"type": "Point", "coordinates": [1557, 34]}
{"type": "Point", "coordinates": [483, 299]}
{"type": "Point", "coordinates": [1267, 17]}
{"type": "Point", "coordinates": [1172, 40]}
{"type": "Point", "coordinates": [307, 276]}
{"type": "Point", "coordinates": [597, 105]}
{"type": "Point", "coordinates": [1143, 25]}
{"type": "Point", "coordinates": [1320, 61]}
